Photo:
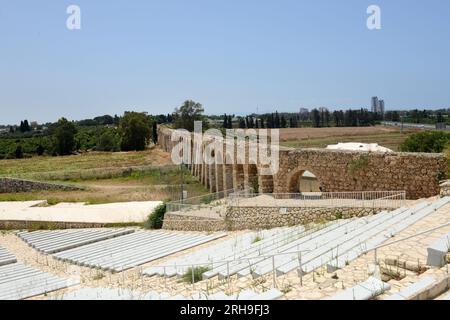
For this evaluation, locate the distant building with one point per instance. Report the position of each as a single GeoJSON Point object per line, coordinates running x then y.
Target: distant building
{"type": "Point", "coordinates": [381, 107]}
{"type": "Point", "coordinates": [377, 106]}
{"type": "Point", "coordinates": [374, 105]}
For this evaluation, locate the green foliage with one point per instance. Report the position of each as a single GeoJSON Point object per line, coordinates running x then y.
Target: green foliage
{"type": "Point", "coordinates": [257, 238]}
{"type": "Point", "coordinates": [156, 219]}
{"type": "Point", "coordinates": [427, 141]}
{"type": "Point", "coordinates": [64, 133]}
{"type": "Point", "coordinates": [19, 152]}
{"type": "Point", "coordinates": [198, 272]}
{"type": "Point", "coordinates": [207, 199]}
{"type": "Point", "coordinates": [185, 115]}
{"type": "Point", "coordinates": [108, 141]}
{"type": "Point", "coordinates": [358, 164]}
{"type": "Point", "coordinates": [135, 130]}
{"type": "Point", "coordinates": [154, 132]}
{"type": "Point", "coordinates": [255, 184]}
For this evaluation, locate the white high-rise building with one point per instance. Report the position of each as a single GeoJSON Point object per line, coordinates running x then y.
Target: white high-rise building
{"type": "Point", "coordinates": [381, 107]}
{"type": "Point", "coordinates": [374, 105]}
{"type": "Point", "coordinates": [377, 106]}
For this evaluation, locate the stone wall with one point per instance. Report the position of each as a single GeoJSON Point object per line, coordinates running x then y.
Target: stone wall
{"type": "Point", "coordinates": [256, 218]}
{"type": "Point", "coordinates": [242, 218]}
{"type": "Point", "coordinates": [173, 221]}
{"type": "Point", "coordinates": [12, 185]}
{"type": "Point", "coordinates": [48, 225]}
{"type": "Point", "coordinates": [416, 173]}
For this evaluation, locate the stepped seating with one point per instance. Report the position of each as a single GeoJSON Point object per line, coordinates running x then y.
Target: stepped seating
{"type": "Point", "coordinates": [125, 294]}
{"type": "Point", "coordinates": [366, 290]}
{"type": "Point", "coordinates": [18, 281]}
{"type": "Point", "coordinates": [254, 252]}
{"type": "Point", "coordinates": [335, 245]}
{"type": "Point", "coordinates": [412, 290]}
{"type": "Point", "coordinates": [133, 249]}
{"type": "Point", "coordinates": [438, 250]}
{"type": "Point", "coordinates": [6, 257]}
{"type": "Point", "coordinates": [350, 246]}
{"type": "Point", "coordinates": [320, 241]}
{"type": "Point", "coordinates": [219, 252]}
{"type": "Point", "coordinates": [49, 242]}
{"type": "Point", "coordinates": [341, 242]}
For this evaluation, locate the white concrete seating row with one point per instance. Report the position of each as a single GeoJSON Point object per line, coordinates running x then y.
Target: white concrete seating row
{"type": "Point", "coordinates": [357, 241]}
{"type": "Point", "coordinates": [6, 257]}
{"type": "Point", "coordinates": [438, 250]}
{"type": "Point", "coordinates": [125, 294]}
{"type": "Point", "coordinates": [419, 212]}
{"type": "Point", "coordinates": [54, 241]}
{"type": "Point", "coordinates": [134, 249]}
{"type": "Point", "coordinates": [258, 265]}
{"type": "Point", "coordinates": [307, 245]}
{"type": "Point", "coordinates": [18, 281]}
{"type": "Point", "coordinates": [255, 252]}
{"type": "Point", "coordinates": [412, 290]}
{"type": "Point", "coordinates": [366, 290]}
{"type": "Point", "coordinates": [207, 256]}
{"type": "Point", "coordinates": [343, 242]}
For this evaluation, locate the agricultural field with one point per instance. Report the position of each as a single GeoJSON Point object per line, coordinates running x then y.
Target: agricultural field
{"type": "Point", "coordinates": [321, 137]}
{"type": "Point", "coordinates": [105, 177]}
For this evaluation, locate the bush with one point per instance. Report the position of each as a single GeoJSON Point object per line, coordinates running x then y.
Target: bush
{"type": "Point", "coordinates": [427, 141]}
{"type": "Point", "coordinates": [65, 137]}
{"type": "Point", "coordinates": [108, 141]}
{"type": "Point", "coordinates": [156, 219]}
{"type": "Point", "coordinates": [198, 272]}
{"type": "Point", "coordinates": [18, 153]}
{"type": "Point", "coordinates": [135, 129]}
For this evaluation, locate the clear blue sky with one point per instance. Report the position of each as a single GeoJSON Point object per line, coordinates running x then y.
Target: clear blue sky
{"type": "Point", "coordinates": [232, 56]}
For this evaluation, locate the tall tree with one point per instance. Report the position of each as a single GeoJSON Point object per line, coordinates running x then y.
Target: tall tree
{"type": "Point", "coordinates": [64, 137]}
{"type": "Point", "coordinates": [187, 114]}
{"type": "Point", "coordinates": [154, 132]}
{"type": "Point", "coordinates": [135, 131]}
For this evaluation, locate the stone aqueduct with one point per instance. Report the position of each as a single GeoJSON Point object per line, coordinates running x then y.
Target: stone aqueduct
{"type": "Point", "coordinates": [337, 171]}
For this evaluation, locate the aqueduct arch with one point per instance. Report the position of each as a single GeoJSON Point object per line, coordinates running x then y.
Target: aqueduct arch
{"type": "Point", "coordinates": [294, 179]}
{"type": "Point", "coordinates": [416, 173]}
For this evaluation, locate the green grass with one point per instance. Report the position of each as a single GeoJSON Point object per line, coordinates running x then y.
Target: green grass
{"type": "Point", "coordinates": [257, 239]}
{"type": "Point", "coordinates": [198, 272]}
{"type": "Point", "coordinates": [59, 166]}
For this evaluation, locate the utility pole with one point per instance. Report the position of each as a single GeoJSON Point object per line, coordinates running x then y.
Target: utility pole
{"type": "Point", "coordinates": [182, 182]}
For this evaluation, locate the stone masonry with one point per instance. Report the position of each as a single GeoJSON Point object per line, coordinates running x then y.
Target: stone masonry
{"type": "Point", "coordinates": [337, 171]}
{"type": "Point", "coordinates": [12, 185]}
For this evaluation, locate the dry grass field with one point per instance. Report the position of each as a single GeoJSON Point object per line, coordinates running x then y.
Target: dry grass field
{"type": "Point", "coordinates": [321, 137]}
{"type": "Point", "coordinates": [106, 177]}
{"type": "Point", "coordinates": [56, 168]}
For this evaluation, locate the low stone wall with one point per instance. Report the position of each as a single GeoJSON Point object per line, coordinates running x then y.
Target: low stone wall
{"type": "Point", "coordinates": [241, 218]}
{"type": "Point", "coordinates": [173, 221]}
{"type": "Point", "coordinates": [43, 225]}
{"type": "Point", "coordinates": [256, 218]}
{"type": "Point", "coordinates": [13, 185]}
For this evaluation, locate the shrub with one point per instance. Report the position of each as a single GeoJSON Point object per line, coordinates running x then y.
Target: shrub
{"type": "Point", "coordinates": [108, 141]}
{"type": "Point", "coordinates": [135, 129]}
{"type": "Point", "coordinates": [18, 153]}
{"type": "Point", "coordinates": [427, 141]}
{"type": "Point", "coordinates": [198, 272]}
{"type": "Point", "coordinates": [156, 219]}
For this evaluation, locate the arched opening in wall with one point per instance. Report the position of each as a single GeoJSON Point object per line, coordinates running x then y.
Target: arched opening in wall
{"type": "Point", "coordinates": [252, 175]}
{"type": "Point", "coordinates": [303, 181]}
{"type": "Point", "coordinates": [308, 182]}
